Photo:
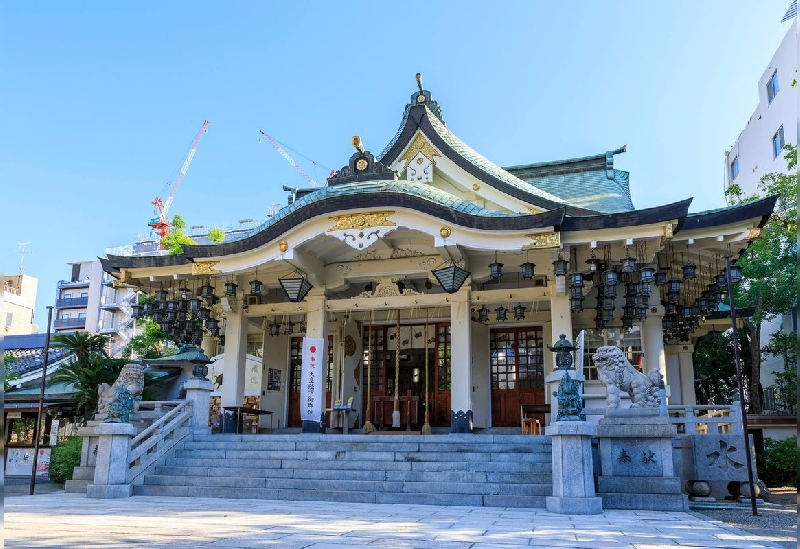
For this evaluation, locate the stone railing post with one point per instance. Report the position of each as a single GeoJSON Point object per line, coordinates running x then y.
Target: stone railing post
{"type": "Point", "coordinates": [111, 470]}
{"type": "Point", "coordinates": [198, 392]}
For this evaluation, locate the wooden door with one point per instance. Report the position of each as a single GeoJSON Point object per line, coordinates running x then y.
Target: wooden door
{"type": "Point", "coordinates": [440, 414]}
{"type": "Point", "coordinates": [517, 364]}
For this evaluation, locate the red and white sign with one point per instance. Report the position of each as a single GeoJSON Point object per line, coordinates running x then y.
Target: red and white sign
{"type": "Point", "coordinates": [312, 379]}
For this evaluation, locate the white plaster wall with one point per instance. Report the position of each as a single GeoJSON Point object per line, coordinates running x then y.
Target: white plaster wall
{"type": "Point", "coordinates": [754, 144]}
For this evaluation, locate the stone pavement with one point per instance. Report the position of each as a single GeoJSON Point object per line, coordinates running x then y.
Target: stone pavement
{"type": "Point", "coordinates": [61, 520]}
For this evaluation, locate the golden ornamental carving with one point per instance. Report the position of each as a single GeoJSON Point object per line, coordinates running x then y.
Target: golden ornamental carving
{"type": "Point", "coordinates": [283, 246]}
{"type": "Point", "coordinates": [419, 144]}
{"type": "Point", "coordinates": [405, 252]}
{"type": "Point", "coordinates": [445, 232]}
{"type": "Point", "coordinates": [543, 240]}
{"type": "Point", "coordinates": [754, 234]}
{"type": "Point", "coordinates": [476, 186]}
{"type": "Point", "coordinates": [668, 231]}
{"type": "Point", "coordinates": [204, 268]}
{"type": "Point", "coordinates": [123, 280]}
{"type": "Point", "coordinates": [361, 164]}
{"type": "Point", "coordinates": [361, 221]}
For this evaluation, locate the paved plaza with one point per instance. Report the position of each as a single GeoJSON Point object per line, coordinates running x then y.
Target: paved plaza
{"type": "Point", "coordinates": [61, 520]}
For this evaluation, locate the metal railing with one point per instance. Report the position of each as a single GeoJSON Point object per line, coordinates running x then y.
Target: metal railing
{"type": "Point", "coordinates": [67, 302]}
{"type": "Point", "coordinates": [69, 323]}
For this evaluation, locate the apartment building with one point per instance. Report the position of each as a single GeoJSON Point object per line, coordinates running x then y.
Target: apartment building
{"type": "Point", "coordinates": [773, 124]}
{"type": "Point", "coordinates": [88, 301]}
{"type": "Point", "coordinates": [19, 302]}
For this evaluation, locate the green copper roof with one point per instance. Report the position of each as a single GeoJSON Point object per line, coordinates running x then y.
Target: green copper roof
{"type": "Point", "coordinates": [398, 187]}
{"type": "Point", "coordinates": [591, 190]}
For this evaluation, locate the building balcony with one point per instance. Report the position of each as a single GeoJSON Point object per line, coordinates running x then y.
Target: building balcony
{"type": "Point", "coordinates": [69, 323]}
{"type": "Point", "coordinates": [72, 302]}
{"type": "Point", "coordinates": [111, 305]}
{"type": "Point", "coordinates": [72, 284]}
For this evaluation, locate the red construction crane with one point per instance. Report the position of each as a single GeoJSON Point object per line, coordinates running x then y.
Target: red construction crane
{"type": "Point", "coordinates": [160, 221]}
{"type": "Point", "coordinates": [289, 159]}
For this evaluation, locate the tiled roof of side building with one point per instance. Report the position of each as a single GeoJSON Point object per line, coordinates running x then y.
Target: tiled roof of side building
{"type": "Point", "coordinates": [590, 182]}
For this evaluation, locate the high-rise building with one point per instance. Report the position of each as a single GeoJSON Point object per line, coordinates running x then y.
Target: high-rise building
{"type": "Point", "coordinates": [89, 302]}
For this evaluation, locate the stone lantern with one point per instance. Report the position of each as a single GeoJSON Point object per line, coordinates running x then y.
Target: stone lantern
{"type": "Point", "coordinates": [563, 350]}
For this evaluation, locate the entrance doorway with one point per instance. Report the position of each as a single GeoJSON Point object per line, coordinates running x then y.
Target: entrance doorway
{"type": "Point", "coordinates": [517, 363]}
{"type": "Point", "coordinates": [381, 358]}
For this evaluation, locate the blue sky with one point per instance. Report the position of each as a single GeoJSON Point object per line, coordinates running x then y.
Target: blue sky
{"type": "Point", "coordinates": [101, 101]}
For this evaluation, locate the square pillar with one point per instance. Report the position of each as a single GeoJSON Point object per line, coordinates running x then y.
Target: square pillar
{"type": "Point", "coordinates": [461, 363]}
{"type": "Point", "coordinates": [111, 471]}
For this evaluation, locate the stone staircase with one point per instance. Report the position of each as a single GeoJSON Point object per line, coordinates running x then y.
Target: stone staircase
{"type": "Point", "coordinates": [453, 469]}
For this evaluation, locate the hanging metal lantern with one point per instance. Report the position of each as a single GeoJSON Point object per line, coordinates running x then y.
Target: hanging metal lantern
{"type": "Point", "coordinates": [207, 291]}
{"type": "Point", "coordinates": [172, 305]}
{"type": "Point", "coordinates": [722, 281]}
{"type": "Point", "coordinates": [609, 291]}
{"type": "Point", "coordinates": [643, 300]}
{"type": "Point", "coordinates": [629, 311]}
{"type": "Point", "coordinates": [496, 270]}
{"type": "Point", "coordinates": [673, 297]}
{"type": "Point", "coordinates": [627, 322]}
{"type": "Point", "coordinates": [560, 267]}
{"type": "Point", "coordinates": [157, 316]}
{"type": "Point", "coordinates": [255, 287]}
{"type": "Point", "coordinates": [669, 322]}
{"type": "Point", "coordinates": [674, 286]}
{"type": "Point", "coordinates": [183, 304]}
{"type": "Point", "coordinates": [631, 288]}
{"type": "Point", "coordinates": [203, 313]}
{"type": "Point", "coordinates": [171, 316]}
{"type": "Point", "coordinates": [483, 314]}
{"type": "Point", "coordinates": [451, 278]}
{"type": "Point", "coordinates": [660, 278]}
{"type": "Point", "coordinates": [670, 308]}
{"type": "Point", "coordinates": [230, 288]}
{"type": "Point", "coordinates": [599, 324]}
{"type": "Point", "coordinates": [161, 295]}
{"type": "Point", "coordinates": [501, 313]}
{"type": "Point", "coordinates": [612, 278]}
{"type": "Point", "coordinates": [519, 312]}
{"type": "Point", "coordinates": [136, 311]}
{"type": "Point", "coordinates": [274, 329]}
{"type": "Point", "coordinates": [195, 303]}
{"type": "Point", "coordinates": [644, 288]}
{"type": "Point", "coordinates": [702, 302]}
{"type": "Point", "coordinates": [576, 279]}
{"type": "Point", "coordinates": [576, 292]}
{"type": "Point", "coordinates": [165, 327]}
{"type": "Point", "coordinates": [576, 304]}
{"type": "Point", "coordinates": [647, 274]}
{"type": "Point", "coordinates": [594, 263]}
{"type": "Point", "coordinates": [147, 308]}
{"type": "Point", "coordinates": [527, 269]}
{"type": "Point", "coordinates": [212, 323]}
{"type": "Point", "coordinates": [630, 300]}
{"type": "Point", "coordinates": [628, 264]}
{"type": "Point", "coordinates": [181, 316]}
{"type": "Point", "coordinates": [608, 315]}
{"type": "Point", "coordinates": [185, 292]}
{"type": "Point", "coordinates": [736, 274]}
{"type": "Point", "coordinates": [641, 312]}
{"type": "Point", "coordinates": [689, 271]}
{"type": "Point", "coordinates": [609, 303]}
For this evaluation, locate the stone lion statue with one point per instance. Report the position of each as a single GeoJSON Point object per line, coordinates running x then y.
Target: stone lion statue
{"type": "Point", "coordinates": [618, 375]}
{"type": "Point", "coordinates": [131, 378]}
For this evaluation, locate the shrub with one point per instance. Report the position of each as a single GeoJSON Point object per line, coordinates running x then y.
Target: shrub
{"type": "Point", "coordinates": [64, 458]}
{"type": "Point", "coordinates": [777, 466]}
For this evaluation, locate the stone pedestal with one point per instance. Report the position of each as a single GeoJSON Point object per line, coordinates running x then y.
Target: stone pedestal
{"type": "Point", "coordinates": [111, 469]}
{"type": "Point", "coordinates": [718, 460]}
{"type": "Point", "coordinates": [573, 479]}
{"type": "Point", "coordinates": [198, 391]}
{"type": "Point", "coordinates": [636, 465]}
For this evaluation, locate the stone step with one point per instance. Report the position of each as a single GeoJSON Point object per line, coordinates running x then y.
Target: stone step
{"type": "Point", "coordinates": [362, 456]}
{"type": "Point", "coordinates": [77, 486]}
{"type": "Point", "coordinates": [359, 446]}
{"type": "Point", "coordinates": [495, 479]}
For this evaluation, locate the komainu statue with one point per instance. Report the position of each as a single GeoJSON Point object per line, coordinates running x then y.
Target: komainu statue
{"type": "Point", "coordinates": [131, 379]}
{"type": "Point", "coordinates": [619, 375]}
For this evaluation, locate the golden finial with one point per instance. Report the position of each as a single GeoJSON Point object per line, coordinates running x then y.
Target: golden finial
{"type": "Point", "coordinates": [357, 144]}
{"type": "Point", "coordinates": [419, 81]}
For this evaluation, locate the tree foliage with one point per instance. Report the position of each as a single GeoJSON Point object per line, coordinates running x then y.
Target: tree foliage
{"type": "Point", "coordinates": [176, 238]}
{"type": "Point", "coordinates": [150, 343]}
{"type": "Point", "coordinates": [769, 265]}
{"type": "Point", "coordinates": [715, 367]}
{"type": "Point", "coordinates": [85, 377]}
{"type": "Point", "coordinates": [216, 234]}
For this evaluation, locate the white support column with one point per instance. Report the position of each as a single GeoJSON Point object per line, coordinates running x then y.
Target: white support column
{"type": "Point", "coordinates": [560, 317]}
{"type": "Point", "coordinates": [234, 362]}
{"type": "Point", "coordinates": [209, 346]}
{"type": "Point", "coordinates": [653, 344]}
{"type": "Point", "coordinates": [684, 367]}
{"type": "Point", "coordinates": [461, 363]}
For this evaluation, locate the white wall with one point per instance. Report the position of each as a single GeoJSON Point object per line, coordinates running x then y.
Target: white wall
{"type": "Point", "coordinates": [754, 145]}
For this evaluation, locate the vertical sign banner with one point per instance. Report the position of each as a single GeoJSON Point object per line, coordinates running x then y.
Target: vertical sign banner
{"type": "Point", "coordinates": [580, 350]}
{"type": "Point", "coordinates": [312, 379]}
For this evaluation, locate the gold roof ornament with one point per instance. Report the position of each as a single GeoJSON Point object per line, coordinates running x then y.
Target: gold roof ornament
{"type": "Point", "coordinates": [357, 143]}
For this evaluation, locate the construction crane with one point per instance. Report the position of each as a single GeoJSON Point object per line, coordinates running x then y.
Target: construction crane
{"type": "Point", "coordinates": [289, 159]}
{"type": "Point", "coordinates": [160, 222]}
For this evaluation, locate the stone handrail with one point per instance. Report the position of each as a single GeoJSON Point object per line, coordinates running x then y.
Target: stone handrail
{"type": "Point", "coordinates": [706, 419]}
{"type": "Point", "coordinates": [151, 444]}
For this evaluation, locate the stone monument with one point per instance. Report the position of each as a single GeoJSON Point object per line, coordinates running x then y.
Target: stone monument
{"type": "Point", "coordinates": [636, 466]}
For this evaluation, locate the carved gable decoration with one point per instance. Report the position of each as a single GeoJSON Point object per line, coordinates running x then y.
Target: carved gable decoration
{"type": "Point", "coordinates": [419, 159]}
{"type": "Point", "coordinates": [361, 167]}
{"type": "Point", "coordinates": [361, 230]}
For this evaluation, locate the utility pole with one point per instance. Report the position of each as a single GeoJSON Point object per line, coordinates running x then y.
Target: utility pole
{"type": "Point", "coordinates": [38, 430]}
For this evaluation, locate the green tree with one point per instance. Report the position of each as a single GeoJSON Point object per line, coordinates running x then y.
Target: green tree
{"type": "Point", "coordinates": [85, 377]}
{"type": "Point", "coordinates": [151, 343]}
{"type": "Point", "coordinates": [769, 265]}
{"type": "Point", "coordinates": [9, 376]}
{"type": "Point", "coordinates": [784, 345]}
{"type": "Point", "coordinates": [83, 344]}
{"type": "Point", "coordinates": [715, 369]}
{"type": "Point", "coordinates": [216, 234]}
{"type": "Point", "coordinates": [176, 237]}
